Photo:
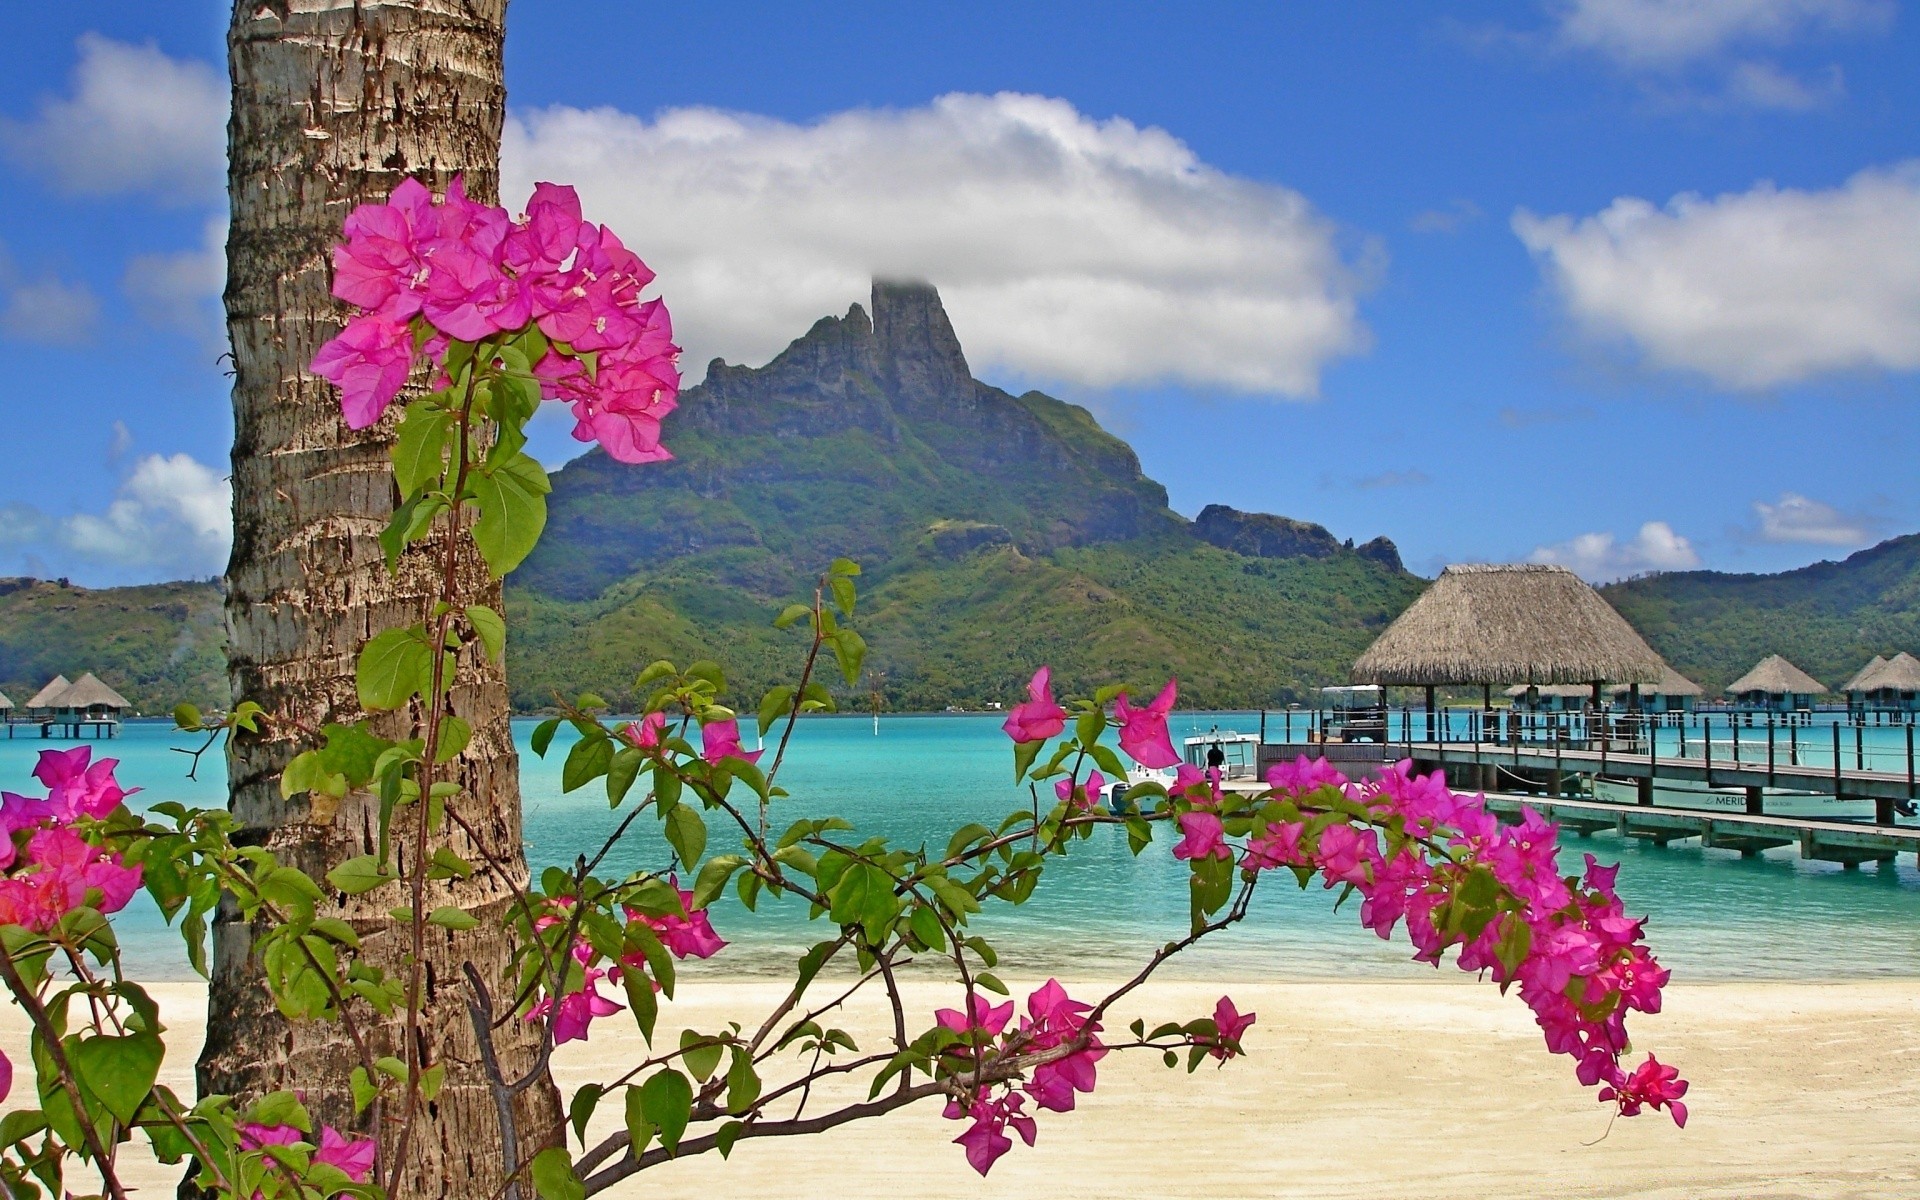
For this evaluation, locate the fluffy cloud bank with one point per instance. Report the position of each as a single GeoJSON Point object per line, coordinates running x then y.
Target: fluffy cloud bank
{"type": "Point", "coordinates": [1068, 249]}
{"type": "Point", "coordinates": [1669, 32]}
{"type": "Point", "coordinates": [137, 121]}
{"type": "Point", "coordinates": [1796, 518]}
{"type": "Point", "coordinates": [1752, 289]}
{"type": "Point", "coordinates": [171, 517]}
{"type": "Point", "coordinates": [1601, 557]}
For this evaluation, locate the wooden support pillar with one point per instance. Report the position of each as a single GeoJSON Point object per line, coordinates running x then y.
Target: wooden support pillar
{"type": "Point", "coordinates": [1755, 804]}
{"type": "Point", "coordinates": [1643, 790]}
{"type": "Point", "coordinates": [1883, 810]}
{"type": "Point", "coordinates": [1433, 728]}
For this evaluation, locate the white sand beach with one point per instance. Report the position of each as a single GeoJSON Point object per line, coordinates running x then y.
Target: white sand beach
{"type": "Point", "coordinates": [1426, 1089]}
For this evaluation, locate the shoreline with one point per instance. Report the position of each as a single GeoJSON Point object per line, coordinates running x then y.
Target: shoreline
{"type": "Point", "coordinates": [1437, 1088]}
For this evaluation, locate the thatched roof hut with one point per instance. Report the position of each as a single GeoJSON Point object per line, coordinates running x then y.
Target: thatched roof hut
{"type": "Point", "coordinates": [1670, 683]}
{"type": "Point", "coordinates": [45, 697]}
{"type": "Point", "coordinates": [1775, 676]}
{"type": "Point", "coordinates": [1508, 623]}
{"type": "Point", "coordinates": [88, 694]}
{"type": "Point", "coordinates": [1901, 673]}
{"type": "Point", "coordinates": [1858, 682]}
{"type": "Point", "coordinates": [6, 705]}
{"type": "Point", "coordinates": [1560, 691]}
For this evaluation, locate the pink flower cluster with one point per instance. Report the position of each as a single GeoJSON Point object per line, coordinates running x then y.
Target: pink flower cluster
{"type": "Point", "coordinates": [1054, 1019]}
{"type": "Point", "coordinates": [58, 871]}
{"type": "Point", "coordinates": [685, 936]}
{"type": "Point", "coordinates": [354, 1156]}
{"type": "Point", "coordinates": [1578, 959]}
{"type": "Point", "coordinates": [1143, 731]}
{"type": "Point", "coordinates": [424, 273]}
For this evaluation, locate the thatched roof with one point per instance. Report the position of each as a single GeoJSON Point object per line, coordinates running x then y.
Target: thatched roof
{"type": "Point", "coordinates": [88, 692]}
{"type": "Point", "coordinates": [44, 698]}
{"type": "Point", "coordinates": [1670, 683]}
{"type": "Point", "coordinates": [6, 705]}
{"type": "Point", "coordinates": [1508, 623]}
{"type": "Point", "coordinates": [1776, 676]}
{"type": "Point", "coordinates": [1857, 683]}
{"type": "Point", "coordinates": [1901, 673]}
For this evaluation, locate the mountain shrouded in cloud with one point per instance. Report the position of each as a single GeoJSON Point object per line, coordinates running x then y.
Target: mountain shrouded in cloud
{"type": "Point", "coordinates": [1071, 250]}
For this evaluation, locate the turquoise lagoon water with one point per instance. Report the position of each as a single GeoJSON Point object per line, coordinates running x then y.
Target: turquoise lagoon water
{"type": "Point", "coordinates": [1713, 914]}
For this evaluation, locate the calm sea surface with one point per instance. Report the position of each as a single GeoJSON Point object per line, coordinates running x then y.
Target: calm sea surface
{"type": "Point", "coordinates": [1713, 914]}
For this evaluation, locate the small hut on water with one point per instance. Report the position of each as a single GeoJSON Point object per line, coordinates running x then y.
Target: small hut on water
{"type": "Point", "coordinates": [1886, 685]}
{"type": "Point", "coordinates": [43, 703]}
{"type": "Point", "coordinates": [88, 699]}
{"type": "Point", "coordinates": [1508, 623]}
{"type": "Point", "coordinates": [1671, 693]}
{"type": "Point", "coordinates": [1776, 685]}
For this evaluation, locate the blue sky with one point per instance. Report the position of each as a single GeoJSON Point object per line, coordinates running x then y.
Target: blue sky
{"type": "Point", "coordinates": [1627, 284]}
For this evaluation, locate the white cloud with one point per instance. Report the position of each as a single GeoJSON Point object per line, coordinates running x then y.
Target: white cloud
{"type": "Point", "coordinates": [1752, 289]}
{"type": "Point", "coordinates": [1067, 249]}
{"type": "Point", "coordinates": [136, 121]}
{"type": "Point", "coordinates": [1601, 557]}
{"type": "Point", "coordinates": [1667, 33]}
{"type": "Point", "coordinates": [1764, 85]}
{"type": "Point", "coordinates": [181, 290]}
{"type": "Point", "coordinates": [1796, 518]}
{"type": "Point", "coordinates": [173, 514]}
{"type": "Point", "coordinates": [47, 311]}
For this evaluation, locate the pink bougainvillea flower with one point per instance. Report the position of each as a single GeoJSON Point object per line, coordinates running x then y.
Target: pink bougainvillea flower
{"type": "Point", "coordinates": [384, 263]}
{"type": "Point", "coordinates": [351, 1155]}
{"type": "Point", "coordinates": [689, 936]}
{"type": "Point", "coordinates": [79, 787]}
{"type": "Point", "coordinates": [1346, 854]}
{"type": "Point", "coordinates": [1201, 837]}
{"type": "Point", "coordinates": [1083, 796]}
{"type": "Point", "coordinates": [986, 1139]}
{"type": "Point", "coordinates": [575, 1010]}
{"type": "Point", "coordinates": [1304, 775]}
{"type": "Point", "coordinates": [6, 1076]}
{"type": "Point", "coordinates": [1279, 846]}
{"type": "Point", "coordinates": [1053, 1020]}
{"type": "Point", "coordinates": [1232, 1024]}
{"type": "Point", "coordinates": [984, 1016]}
{"type": "Point", "coordinates": [648, 732]}
{"type": "Point", "coordinates": [549, 236]}
{"type": "Point", "coordinates": [1652, 1084]}
{"type": "Point", "coordinates": [721, 740]}
{"type": "Point", "coordinates": [1037, 718]}
{"type": "Point", "coordinates": [368, 362]}
{"type": "Point", "coordinates": [471, 298]}
{"type": "Point", "coordinates": [63, 873]}
{"type": "Point", "coordinates": [1143, 731]}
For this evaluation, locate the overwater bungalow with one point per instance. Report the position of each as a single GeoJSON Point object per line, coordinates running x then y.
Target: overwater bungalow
{"type": "Point", "coordinates": [1552, 697]}
{"type": "Point", "coordinates": [88, 699]}
{"type": "Point", "coordinates": [42, 704]}
{"type": "Point", "coordinates": [1886, 685]}
{"type": "Point", "coordinates": [1524, 624]}
{"type": "Point", "coordinates": [1671, 693]}
{"type": "Point", "coordinates": [1776, 685]}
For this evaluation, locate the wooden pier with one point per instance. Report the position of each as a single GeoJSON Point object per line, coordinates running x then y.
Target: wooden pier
{"type": "Point", "coordinates": [1888, 790]}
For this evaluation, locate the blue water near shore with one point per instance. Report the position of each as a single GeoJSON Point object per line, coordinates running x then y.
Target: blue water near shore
{"type": "Point", "coordinates": [1714, 916]}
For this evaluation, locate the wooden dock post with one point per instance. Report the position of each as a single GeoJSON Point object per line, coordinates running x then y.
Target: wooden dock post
{"type": "Point", "coordinates": [1755, 804]}
{"type": "Point", "coordinates": [1643, 790]}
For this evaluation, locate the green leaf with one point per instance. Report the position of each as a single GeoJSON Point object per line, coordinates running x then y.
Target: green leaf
{"type": "Point", "coordinates": [543, 735]}
{"type": "Point", "coordinates": [850, 651]}
{"type": "Point", "coordinates": [512, 498]}
{"type": "Point", "coordinates": [186, 716]}
{"type": "Point", "coordinates": [580, 1109]}
{"type": "Point", "coordinates": [655, 671]}
{"type": "Point", "coordinates": [790, 614]}
{"type": "Point", "coordinates": [358, 874]}
{"type": "Point", "coordinates": [589, 759]}
{"type": "Point", "coordinates": [713, 877]}
{"type": "Point", "coordinates": [553, 1177]}
{"type": "Point", "coordinates": [686, 833]}
{"type": "Point", "coordinates": [777, 703]}
{"type": "Point", "coordinates": [844, 566]}
{"type": "Point", "coordinates": [1023, 755]}
{"type": "Point", "coordinates": [743, 1082]}
{"type": "Point", "coordinates": [490, 627]}
{"type": "Point", "coordinates": [419, 451]}
{"type": "Point", "coordinates": [725, 1136]}
{"type": "Point", "coordinates": [448, 916]}
{"type": "Point", "coordinates": [393, 666]}
{"type": "Point", "coordinates": [843, 594]}
{"type": "Point", "coordinates": [701, 1054]}
{"type": "Point", "coordinates": [118, 1070]}
{"type": "Point", "coordinates": [455, 733]}
{"type": "Point", "coordinates": [639, 1129]}
{"type": "Point", "coordinates": [666, 1101]}
{"type": "Point", "coordinates": [365, 1091]}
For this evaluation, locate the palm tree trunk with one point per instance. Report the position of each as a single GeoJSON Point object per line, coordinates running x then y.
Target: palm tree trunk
{"type": "Point", "coordinates": [334, 103]}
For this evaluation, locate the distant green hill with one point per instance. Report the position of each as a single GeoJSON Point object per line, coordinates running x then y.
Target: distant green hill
{"type": "Point", "coordinates": [1828, 618]}
{"type": "Point", "coordinates": [156, 644]}
{"type": "Point", "coordinates": [998, 532]}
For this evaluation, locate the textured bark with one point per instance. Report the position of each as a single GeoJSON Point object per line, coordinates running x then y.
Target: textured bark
{"type": "Point", "coordinates": [334, 102]}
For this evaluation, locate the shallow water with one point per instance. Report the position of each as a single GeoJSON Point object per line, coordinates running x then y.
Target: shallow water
{"type": "Point", "coordinates": [1713, 914]}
